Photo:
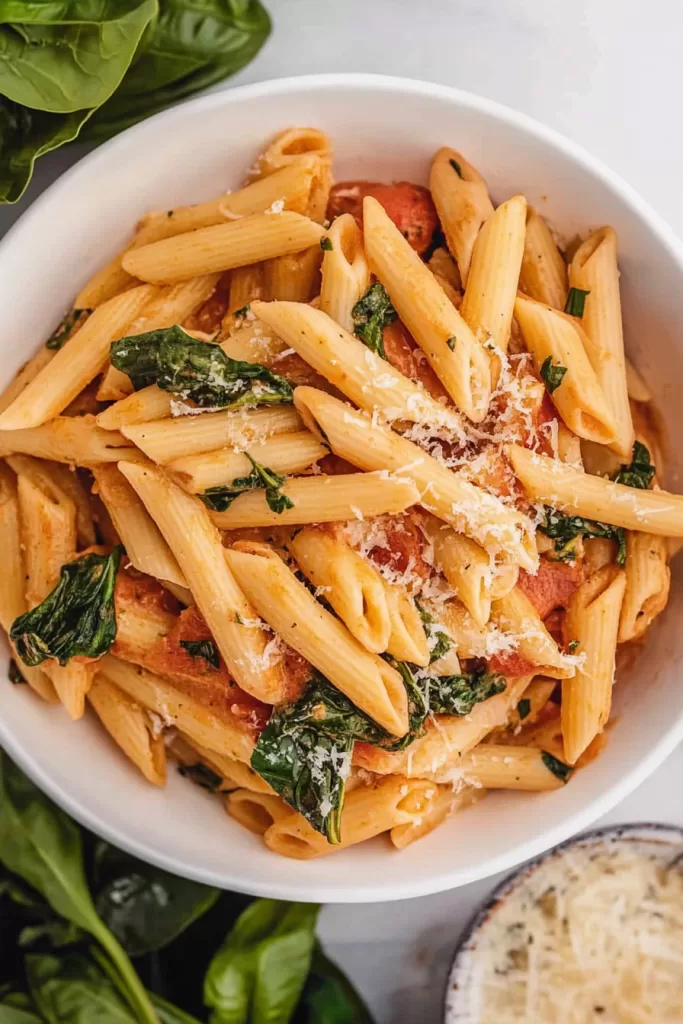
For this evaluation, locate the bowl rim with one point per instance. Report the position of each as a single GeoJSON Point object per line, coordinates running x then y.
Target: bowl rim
{"type": "Point", "coordinates": [648, 831]}
{"type": "Point", "coordinates": [311, 890]}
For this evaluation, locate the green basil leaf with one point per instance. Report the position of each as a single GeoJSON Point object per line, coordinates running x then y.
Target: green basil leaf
{"type": "Point", "coordinates": [457, 695]}
{"type": "Point", "coordinates": [258, 974]}
{"type": "Point", "coordinates": [72, 989]}
{"type": "Point", "coordinates": [55, 59]}
{"type": "Point", "coordinates": [54, 933]}
{"type": "Point", "coordinates": [205, 649]}
{"type": "Point", "coordinates": [25, 135]}
{"type": "Point", "coordinates": [76, 619]}
{"type": "Point", "coordinates": [144, 906]}
{"type": "Point", "coordinates": [576, 301]}
{"type": "Point", "coordinates": [456, 167]}
{"type": "Point", "coordinates": [565, 530]}
{"type": "Point", "coordinates": [197, 371]}
{"type": "Point", "coordinates": [552, 374]}
{"type": "Point", "coordinates": [193, 46]}
{"type": "Point", "coordinates": [329, 996]}
{"type": "Point", "coordinates": [64, 328]}
{"type": "Point", "coordinates": [558, 768]}
{"type": "Point", "coordinates": [17, 1015]}
{"type": "Point", "coordinates": [168, 1013]}
{"type": "Point", "coordinates": [218, 499]}
{"type": "Point", "coordinates": [640, 471]}
{"type": "Point", "coordinates": [371, 314]}
{"type": "Point", "coordinates": [42, 845]}
{"type": "Point", "coordinates": [523, 708]}
{"type": "Point", "coordinates": [438, 641]}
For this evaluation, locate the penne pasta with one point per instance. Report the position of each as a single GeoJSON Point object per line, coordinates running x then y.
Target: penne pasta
{"type": "Point", "coordinates": [211, 250]}
{"type": "Point", "coordinates": [345, 271]}
{"type": "Point", "coordinates": [462, 202]}
{"type": "Point", "coordinates": [169, 439]}
{"type": "Point", "coordinates": [636, 387]}
{"type": "Point", "coordinates": [28, 372]}
{"type": "Point", "coordinates": [76, 440]}
{"type": "Point", "coordinates": [293, 278]}
{"type": "Point", "coordinates": [12, 581]}
{"type": "Point", "coordinates": [368, 811]}
{"type": "Point", "coordinates": [355, 437]}
{"type": "Point", "coordinates": [450, 346]}
{"type": "Point", "coordinates": [593, 623]}
{"type": "Point", "coordinates": [494, 274]}
{"type": "Point", "coordinates": [467, 567]}
{"type": "Point", "coordinates": [594, 270]}
{"type": "Point", "coordinates": [78, 361]}
{"type": "Point", "coordinates": [246, 284]}
{"type": "Point", "coordinates": [516, 615]}
{"type": "Point", "coordinates": [503, 767]}
{"type": "Point", "coordinates": [543, 275]}
{"type": "Point", "coordinates": [289, 608]}
{"type": "Point", "coordinates": [144, 406]}
{"type": "Point", "coordinates": [321, 499]}
{"type": "Point", "coordinates": [256, 811]}
{"type": "Point", "coordinates": [131, 728]}
{"type": "Point", "coordinates": [210, 724]}
{"type": "Point", "coordinates": [140, 536]}
{"type": "Point", "coordinates": [185, 525]}
{"type": "Point", "coordinates": [648, 579]}
{"type": "Point", "coordinates": [445, 803]}
{"type": "Point", "coordinates": [571, 490]}
{"type": "Point", "coordinates": [283, 453]}
{"type": "Point", "coordinates": [578, 397]}
{"type": "Point", "coordinates": [234, 774]}
{"type": "Point", "coordinates": [66, 483]}
{"type": "Point", "coordinates": [364, 377]}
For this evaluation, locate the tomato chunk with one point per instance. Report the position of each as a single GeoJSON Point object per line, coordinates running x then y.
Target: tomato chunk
{"type": "Point", "coordinates": [409, 206]}
{"type": "Point", "coordinates": [552, 586]}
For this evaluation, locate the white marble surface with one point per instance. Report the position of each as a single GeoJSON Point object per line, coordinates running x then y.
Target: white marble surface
{"type": "Point", "coordinates": [609, 74]}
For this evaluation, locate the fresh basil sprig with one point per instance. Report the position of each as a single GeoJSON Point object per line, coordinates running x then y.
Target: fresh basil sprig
{"type": "Point", "coordinates": [371, 314]}
{"type": "Point", "coordinates": [218, 499]}
{"type": "Point", "coordinates": [197, 371]}
{"type": "Point", "coordinates": [640, 471]}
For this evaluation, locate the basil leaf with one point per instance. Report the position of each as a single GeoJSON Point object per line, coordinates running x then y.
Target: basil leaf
{"type": "Point", "coordinates": [576, 301]}
{"type": "Point", "coordinates": [523, 708]}
{"type": "Point", "coordinates": [53, 933]}
{"type": "Point", "coordinates": [457, 695]}
{"type": "Point", "coordinates": [76, 619]}
{"type": "Point", "coordinates": [565, 530]}
{"type": "Point", "coordinates": [218, 499]}
{"type": "Point", "coordinates": [17, 1015]}
{"type": "Point", "coordinates": [329, 996]}
{"type": "Point", "coordinates": [438, 641]}
{"type": "Point", "coordinates": [371, 314]}
{"type": "Point", "coordinates": [552, 375]}
{"type": "Point", "coordinates": [63, 330]}
{"type": "Point", "coordinates": [197, 371]}
{"type": "Point", "coordinates": [558, 768]}
{"type": "Point", "coordinates": [144, 906]}
{"type": "Point", "coordinates": [64, 58]}
{"type": "Point", "coordinates": [72, 989]}
{"type": "Point", "coordinates": [259, 972]}
{"type": "Point", "coordinates": [205, 649]}
{"type": "Point", "coordinates": [456, 167]}
{"type": "Point", "coordinates": [25, 135]}
{"type": "Point", "coordinates": [42, 845]}
{"type": "Point", "coordinates": [326, 244]}
{"type": "Point", "coordinates": [167, 1013]}
{"type": "Point", "coordinates": [640, 471]}
{"type": "Point", "coordinates": [201, 775]}
{"type": "Point", "coordinates": [192, 46]}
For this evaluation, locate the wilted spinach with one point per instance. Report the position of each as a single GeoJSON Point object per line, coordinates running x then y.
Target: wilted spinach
{"type": "Point", "coordinates": [438, 641]}
{"type": "Point", "coordinates": [218, 499]}
{"type": "Point", "coordinates": [565, 530]}
{"type": "Point", "coordinates": [640, 471]}
{"type": "Point", "coordinates": [76, 619]}
{"type": "Point", "coordinates": [371, 314]}
{"type": "Point", "coordinates": [558, 768]}
{"type": "Point", "coordinates": [64, 328]}
{"type": "Point", "coordinates": [552, 374]}
{"type": "Point", "coordinates": [197, 371]}
{"type": "Point", "coordinates": [457, 695]}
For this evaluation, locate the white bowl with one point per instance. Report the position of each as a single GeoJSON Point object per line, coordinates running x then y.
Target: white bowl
{"type": "Point", "coordinates": [383, 128]}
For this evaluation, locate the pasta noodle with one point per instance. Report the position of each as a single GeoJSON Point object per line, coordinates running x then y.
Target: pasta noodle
{"type": "Point", "coordinates": [347, 606]}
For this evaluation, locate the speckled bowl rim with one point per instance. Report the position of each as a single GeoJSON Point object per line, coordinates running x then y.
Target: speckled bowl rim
{"type": "Point", "coordinates": [648, 830]}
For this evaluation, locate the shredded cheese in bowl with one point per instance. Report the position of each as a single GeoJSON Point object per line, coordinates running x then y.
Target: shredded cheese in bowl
{"type": "Point", "coordinates": [593, 932]}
